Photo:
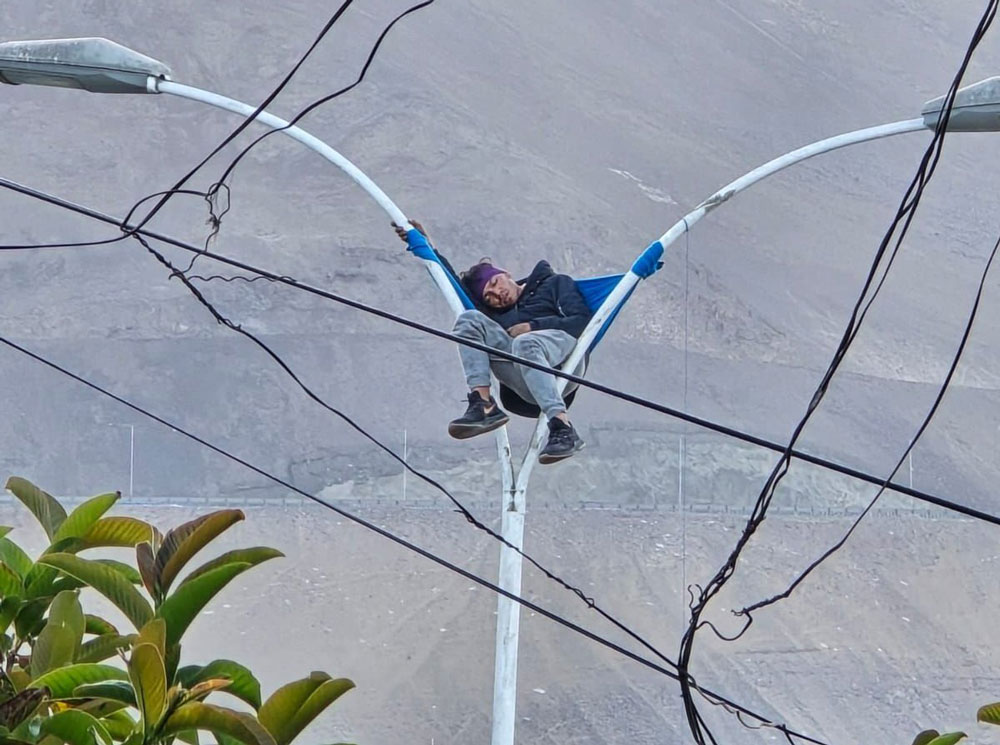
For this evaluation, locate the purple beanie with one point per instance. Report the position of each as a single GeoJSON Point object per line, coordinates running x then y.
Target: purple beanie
{"type": "Point", "coordinates": [476, 278]}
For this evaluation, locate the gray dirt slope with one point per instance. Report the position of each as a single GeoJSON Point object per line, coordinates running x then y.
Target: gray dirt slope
{"type": "Point", "coordinates": [576, 131]}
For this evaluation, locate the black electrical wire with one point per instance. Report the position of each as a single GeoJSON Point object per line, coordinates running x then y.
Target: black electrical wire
{"type": "Point", "coordinates": [261, 274]}
{"type": "Point", "coordinates": [325, 99]}
{"type": "Point", "coordinates": [220, 318]}
{"type": "Point", "coordinates": [904, 216]}
{"type": "Point", "coordinates": [461, 508]}
{"type": "Point", "coordinates": [211, 195]}
{"type": "Point", "coordinates": [546, 613]}
{"type": "Point", "coordinates": [221, 183]}
{"type": "Point", "coordinates": [244, 124]}
{"type": "Point", "coordinates": [966, 334]}
{"type": "Point", "coordinates": [430, 330]}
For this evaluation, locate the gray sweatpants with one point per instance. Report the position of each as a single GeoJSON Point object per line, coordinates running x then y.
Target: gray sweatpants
{"type": "Point", "coordinates": [546, 347]}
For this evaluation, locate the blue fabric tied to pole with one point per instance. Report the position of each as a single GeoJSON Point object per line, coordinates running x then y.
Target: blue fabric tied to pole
{"type": "Point", "coordinates": [418, 245]}
{"type": "Point", "coordinates": [649, 261]}
{"type": "Point", "coordinates": [594, 291]}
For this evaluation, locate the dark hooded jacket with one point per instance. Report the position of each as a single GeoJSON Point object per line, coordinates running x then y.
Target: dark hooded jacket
{"type": "Point", "coordinates": [548, 301]}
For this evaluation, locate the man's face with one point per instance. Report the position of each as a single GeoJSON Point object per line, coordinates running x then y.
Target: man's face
{"type": "Point", "coordinates": [500, 291]}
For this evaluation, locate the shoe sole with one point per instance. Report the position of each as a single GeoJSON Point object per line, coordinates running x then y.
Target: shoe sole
{"type": "Point", "coordinates": [549, 459]}
{"type": "Point", "coordinates": [466, 431]}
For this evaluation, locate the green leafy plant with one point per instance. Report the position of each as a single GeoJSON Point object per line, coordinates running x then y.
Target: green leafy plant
{"type": "Point", "coordinates": [56, 682]}
{"type": "Point", "coordinates": [988, 714]}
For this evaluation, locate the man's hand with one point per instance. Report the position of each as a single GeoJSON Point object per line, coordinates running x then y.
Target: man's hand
{"type": "Point", "coordinates": [402, 233]}
{"type": "Point", "coordinates": [519, 328]}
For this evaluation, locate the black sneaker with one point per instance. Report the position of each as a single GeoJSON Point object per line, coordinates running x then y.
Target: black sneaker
{"type": "Point", "coordinates": [563, 442]}
{"type": "Point", "coordinates": [475, 420]}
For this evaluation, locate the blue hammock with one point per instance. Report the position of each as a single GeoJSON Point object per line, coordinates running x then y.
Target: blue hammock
{"type": "Point", "coordinates": [594, 290]}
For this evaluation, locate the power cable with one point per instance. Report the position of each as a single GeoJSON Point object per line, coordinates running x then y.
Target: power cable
{"type": "Point", "coordinates": [430, 330]}
{"type": "Point", "coordinates": [222, 319]}
{"type": "Point", "coordinates": [211, 196]}
{"type": "Point", "coordinates": [904, 216]}
{"type": "Point", "coordinates": [462, 509]}
{"type": "Point", "coordinates": [243, 125]}
{"type": "Point", "coordinates": [221, 183]}
{"type": "Point", "coordinates": [82, 210]}
{"type": "Point", "coordinates": [552, 616]}
{"type": "Point", "coordinates": [747, 611]}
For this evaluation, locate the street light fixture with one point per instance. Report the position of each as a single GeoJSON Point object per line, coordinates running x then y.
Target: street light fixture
{"type": "Point", "coordinates": [101, 66]}
{"type": "Point", "coordinates": [976, 108]}
{"type": "Point", "coordinates": [94, 64]}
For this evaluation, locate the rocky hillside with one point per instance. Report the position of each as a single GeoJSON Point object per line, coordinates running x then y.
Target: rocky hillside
{"type": "Point", "coordinates": [577, 132]}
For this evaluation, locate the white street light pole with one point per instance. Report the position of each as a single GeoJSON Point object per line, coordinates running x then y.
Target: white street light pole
{"type": "Point", "coordinates": [99, 65]}
{"type": "Point", "coordinates": [131, 455]}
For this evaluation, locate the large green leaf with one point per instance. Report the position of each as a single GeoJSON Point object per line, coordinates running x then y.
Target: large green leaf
{"type": "Point", "coordinates": [118, 531]}
{"type": "Point", "coordinates": [59, 640]}
{"type": "Point", "coordinates": [190, 737]}
{"type": "Point", "coordinates": [98, 625]}
{"type": "Point", "coordinates": [989, 714]}
{"type": "Point", "coordinates": [97, 707]}
{"type": "Point", "coordinates": [76, 728]}
{"type": "Point", "coordinates": [146, 562]}
{"type": "Point", "coordinates": [19, 707]}
{"type": "Point", "coordinates": [252, 556]}
{"type": "Point", "coordinates": [293, 706]}
{"type": "Point", "coordinates": [184, 541]}
{"type": "Point", "coordinates": [30, 617]}
{"type": "Point", "coordinates": [149, 680]}
{"type": "Point", "coordinates": [925, 737]}
{"type": "Point", "coordinates": [948, 739]}
{"type": "Point", "coordinates": [155, 633]}
{"type": "Point", "coordinates": [107, 581]}
{"type": "Point", "coordinates": [65, 680]}
{"type": "Point", "coordinates": [40, 581]}
{"type": "Point", "coordinates": [102, 647]}
{"type": "Point", "coordinates": [43, 506]}
{"type": "Point", "coordinates": [119, 725]}
{"type": "Point", "coordinates": [8, 610]}
{"type": "Point", "coordinates": [11, 585]}
{"type": "Point", "coordinates": [217, 720]}
{"type": "Point", "coordinates": [242, 683]}
{"type": "Point", "coordinates": [84, 516]}
{"type": "Point", "coordinates": [13, 556]}
{"type": "Point", "coordinates": [126, 570]}
{"type": "Point", "coordinates": [113, 690]}
{"type": "Point", "coordinates": [180, 609]}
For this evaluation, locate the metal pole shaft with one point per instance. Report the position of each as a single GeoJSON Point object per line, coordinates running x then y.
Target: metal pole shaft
{"type": "Point", "coordinates": [508, 612]}
{"type": "Point", "coordinates": [131, 459]}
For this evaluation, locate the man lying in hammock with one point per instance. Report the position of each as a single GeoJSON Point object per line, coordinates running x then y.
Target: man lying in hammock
{"type": "Point", "coordinates": [538, 318]}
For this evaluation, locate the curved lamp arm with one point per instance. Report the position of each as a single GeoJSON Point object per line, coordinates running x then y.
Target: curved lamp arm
{"type": "Point", "coordinates": [158, 85]}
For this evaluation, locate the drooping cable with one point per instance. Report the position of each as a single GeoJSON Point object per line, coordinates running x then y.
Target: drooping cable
{"type": "Point", "coordinates": [945, 385]}
{"type": "Point", "coordinates": [904, 216]}
{"type": "Point", "coordinates": [211, 196]}
{"type": "Point", "coordinates": [222, 182]}
{"type": "Point", "coordinates": [541, 610]}
{"type": "Point", "coordinates": [679, 414]}
{"type": "Point", "coordinates": [461, 508]}
{"type": "Point", "coordinates": [248, 121]}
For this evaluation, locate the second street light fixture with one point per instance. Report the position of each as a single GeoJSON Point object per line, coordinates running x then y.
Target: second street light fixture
{"type": "Point", "coordinates": [92, 64]}
{"type": "Point", "coordinates": [976, 108]}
